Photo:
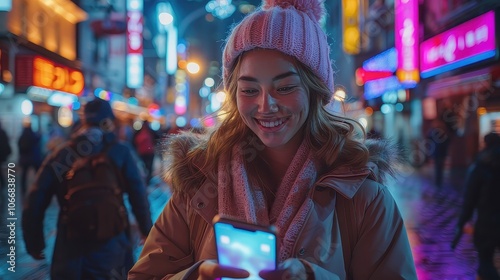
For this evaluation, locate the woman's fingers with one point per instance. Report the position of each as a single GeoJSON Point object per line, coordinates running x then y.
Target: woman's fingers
{"type": "Point", "coordinates": [210, 269]}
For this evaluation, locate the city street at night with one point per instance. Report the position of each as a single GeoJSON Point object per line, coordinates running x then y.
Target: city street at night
{"type": "Point", "coordinates": [250, 109]}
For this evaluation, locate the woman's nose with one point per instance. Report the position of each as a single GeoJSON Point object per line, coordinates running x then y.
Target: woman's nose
{"type": "Point", "coordinates": [268, 104]}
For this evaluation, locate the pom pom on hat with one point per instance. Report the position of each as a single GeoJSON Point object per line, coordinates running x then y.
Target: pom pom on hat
{"type": "Point", "coordinates": [289, 26]}
{"type": "Point", "coordinates": [314, 8]}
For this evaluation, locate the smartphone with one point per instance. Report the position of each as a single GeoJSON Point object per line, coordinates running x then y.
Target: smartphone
{"type": "Point", "coordinates": [246, 246]}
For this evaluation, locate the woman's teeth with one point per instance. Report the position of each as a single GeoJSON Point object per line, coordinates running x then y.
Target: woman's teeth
{"type": "Point", "coordinates": [271, 124]}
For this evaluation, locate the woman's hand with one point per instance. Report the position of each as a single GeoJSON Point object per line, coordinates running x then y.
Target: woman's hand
{"type": "Point", "coordinates": [210, 270]}
{"type": "Point", "coordinates": [290, 269]}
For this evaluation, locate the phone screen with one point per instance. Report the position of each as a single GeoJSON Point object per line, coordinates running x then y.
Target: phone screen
{"type": "Point", "coordinates": [250, 249]}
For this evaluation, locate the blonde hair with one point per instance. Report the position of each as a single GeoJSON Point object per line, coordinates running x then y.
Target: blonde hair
{"type": "Point", "coordinates": [336, 140]}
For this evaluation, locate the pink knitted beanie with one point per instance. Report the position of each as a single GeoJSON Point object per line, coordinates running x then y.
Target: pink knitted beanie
{"type": "Point", "coordinates": [289, 26]}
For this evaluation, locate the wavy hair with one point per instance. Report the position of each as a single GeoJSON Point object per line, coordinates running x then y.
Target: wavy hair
{"type": "Point", "coordinates": [336, 140]}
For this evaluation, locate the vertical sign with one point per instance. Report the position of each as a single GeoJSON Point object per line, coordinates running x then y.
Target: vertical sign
{"type": "Point", "coordinates": [4, 66]}
{"type": "Point", "coordinates": [135, 60]}
{"type": "Point", "coordinates": [406, 40]}
{"type": "Point", "coordinates": [350, 26]}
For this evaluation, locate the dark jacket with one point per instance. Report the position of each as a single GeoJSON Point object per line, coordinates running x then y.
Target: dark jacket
{"type": "Point", "coordinates": [482, 193]}
{"type": "Point", "coordinates": [5, 149]}
{"type": "Point", "coordinates": [49, 182]}
{"type": "Point", "coordinates": [30, 152]}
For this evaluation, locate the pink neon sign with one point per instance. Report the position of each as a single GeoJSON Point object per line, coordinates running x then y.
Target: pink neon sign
{"type": "Point", "coordinates": [464, 44]}
{"type": "Point", "coordinates": [406, 40]}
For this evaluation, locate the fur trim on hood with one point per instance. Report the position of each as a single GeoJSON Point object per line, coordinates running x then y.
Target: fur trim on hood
{"type": "Point", "coordinates": [384, 159]}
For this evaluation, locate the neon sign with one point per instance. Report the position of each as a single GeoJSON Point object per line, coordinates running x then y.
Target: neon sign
{"type": "Point", "coordinates": [464, 44]}
{"type": "Point", "coordinates": [377, 74]}
{"type": "Point", "coordinates": [41, 72]}
{"type": "Point", "coordinates": [350, 25]}
{"type": "Point", "coordinates": [135, 60]}
{"type": "Point", "coordinates": [406, 40]}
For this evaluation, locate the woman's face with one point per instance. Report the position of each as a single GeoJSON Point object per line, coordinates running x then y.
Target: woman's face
{"type": "Point", "coordinates": [271, 98]}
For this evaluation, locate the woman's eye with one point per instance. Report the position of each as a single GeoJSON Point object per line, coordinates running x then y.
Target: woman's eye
{"type": "Point", "coordinates": [249, 91]}
{"type": "Point", "coordinates": [285, 89]}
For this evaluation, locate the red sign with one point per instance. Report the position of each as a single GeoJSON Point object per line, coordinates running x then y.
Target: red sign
{"type": "Point", "coordinates": [134, 32]}
{"type": "Point", "coordinates": [103, 27]}
{"type": "Point", "coordinates": [41, 72]}
{"type": "Point", "coordinates": [4, 65]}
{"type": "Point", "coordinates": [363, 75]}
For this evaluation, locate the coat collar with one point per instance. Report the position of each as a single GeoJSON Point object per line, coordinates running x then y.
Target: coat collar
{"type": "Point", "coordinates": [343, 180]}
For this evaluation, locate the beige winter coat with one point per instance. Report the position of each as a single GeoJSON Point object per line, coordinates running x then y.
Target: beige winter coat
{"type": "Point", "coordinates": [354, 231]}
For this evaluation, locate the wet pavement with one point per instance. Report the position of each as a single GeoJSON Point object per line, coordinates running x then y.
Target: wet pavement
{"type": "Point", "coordinates": [430, 215]}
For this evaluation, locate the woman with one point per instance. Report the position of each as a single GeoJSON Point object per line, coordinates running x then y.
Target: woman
{"type": "Point", "coordinates": [280, 158]}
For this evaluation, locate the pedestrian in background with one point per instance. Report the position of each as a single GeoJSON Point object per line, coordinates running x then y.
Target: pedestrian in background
{"type": "Point", "coordinates": [5, 151]}
{"type": "Point", "coordinates": [440, 136]}
{"type": "Point", "coordinates": [86, 259]}
{"type": "Point", "coordinates": [482, 195]}
{"type": "Point", "coordinates": [279, 157]}
{"type": "Point", "coordinates": [144, 141]}
{"type": "Point", "coordinates": [30, 153]}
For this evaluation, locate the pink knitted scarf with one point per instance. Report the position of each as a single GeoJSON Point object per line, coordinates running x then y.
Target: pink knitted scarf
{"type": "Point", "coordinates": [241, 200]}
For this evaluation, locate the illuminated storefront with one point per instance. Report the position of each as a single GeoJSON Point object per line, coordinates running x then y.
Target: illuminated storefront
{"type": "Point", "coordinates": [40, 71]}
{"type": "Point", "coordinates": [462, 81]}
{"type": "Point", "coordinates": [46, 82]}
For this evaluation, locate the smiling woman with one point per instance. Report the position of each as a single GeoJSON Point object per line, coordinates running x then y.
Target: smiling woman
{"type": "Point", "coordinates": [280, 158]}
{"type": "Point", "coordinates": [272, 100]}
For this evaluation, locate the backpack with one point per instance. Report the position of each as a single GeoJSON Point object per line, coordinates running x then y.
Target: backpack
{"type": "Point", "coordinates": [94, 210]}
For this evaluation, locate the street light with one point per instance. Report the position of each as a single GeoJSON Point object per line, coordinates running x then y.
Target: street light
{"type": "Point", "coordinates": [165, 18]}
{"type": "Point", "coordinates": [175, 29]}
{"type": "Point", "coordinates": [193, 67]}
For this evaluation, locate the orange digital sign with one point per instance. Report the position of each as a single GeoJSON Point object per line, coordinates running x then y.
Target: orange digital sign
{"type": "Point", "coordinates": [42, 72]}
{"type": "Point", "coordinates": [58, 77]}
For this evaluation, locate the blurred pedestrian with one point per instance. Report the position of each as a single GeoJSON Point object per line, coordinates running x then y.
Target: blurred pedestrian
{"type": "Point", "coordinates": [280, 158]}
{"type": "Point", "coordinates": [5, 151]}
{"type": "Point", "coordinates": [30, 153]}
{"type": "Point", "coordinates": [440, 137]}
{"type": "Point", "coordinates": [482, 195]}
{"type": "Point", "coordinates": [144, 142]}
{"type": "Point", "coordinates": [107, 255]}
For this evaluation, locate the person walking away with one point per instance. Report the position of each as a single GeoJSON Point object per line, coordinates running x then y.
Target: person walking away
{"type": "Point", "coordinates": [30, 154]}
{"type": "Point", "coordinates": [89, 176]}
{"type": "Point", "coordinates": [5, 151]}
{"type": "Point", "coordinates": [144, 143]}
{"type": "Point", "coordinates": [440, 137]}
{"type": "Point", "coordinates": [482, 195]}
{"type": "Point", "coordinates": [279, 157]}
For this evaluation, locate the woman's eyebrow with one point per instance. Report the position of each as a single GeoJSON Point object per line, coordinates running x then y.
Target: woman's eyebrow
{"type": "Point", "coordinates": [278, 77]}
